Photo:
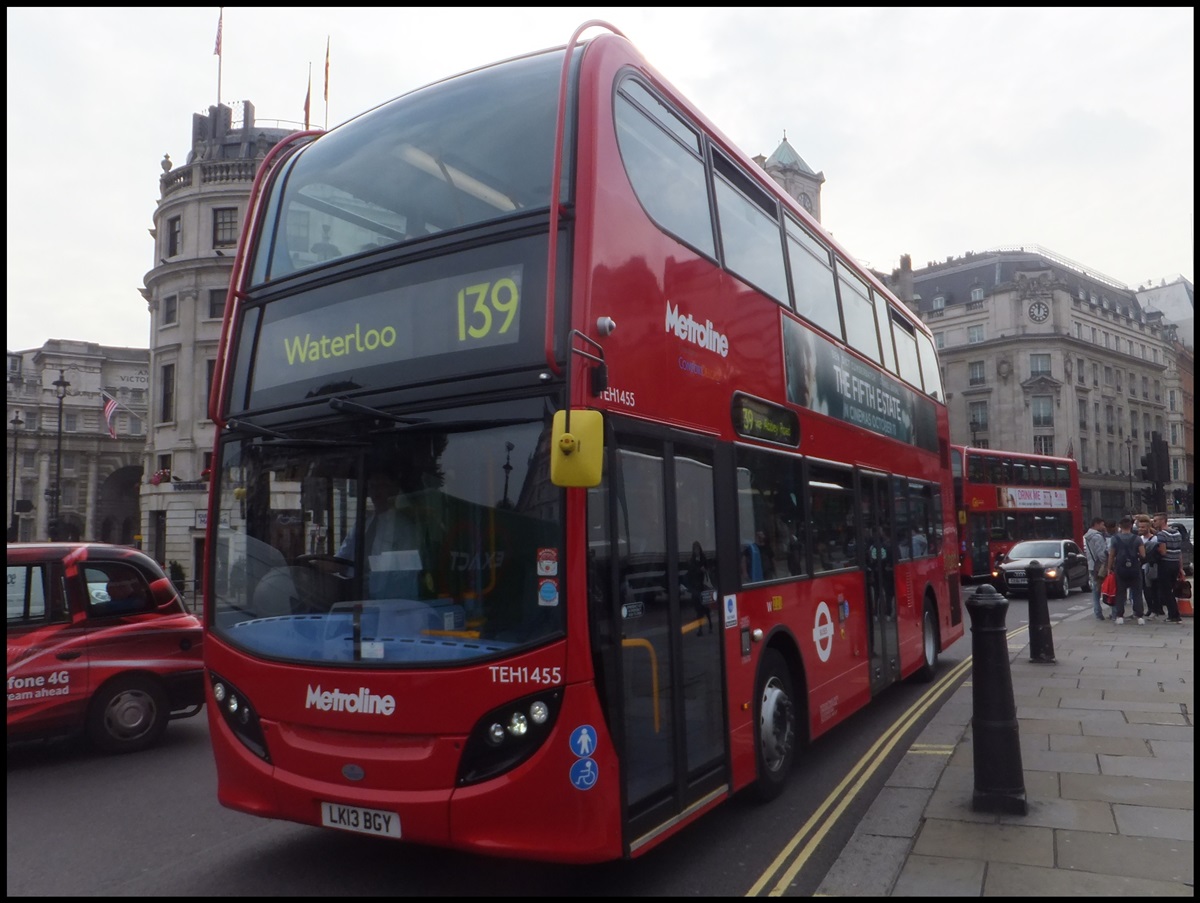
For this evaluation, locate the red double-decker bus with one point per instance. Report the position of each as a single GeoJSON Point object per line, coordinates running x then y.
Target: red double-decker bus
{"type": "Point", "coordinates": [662, 476]}
{"type": "Point", "coordinates": [1004, 497]}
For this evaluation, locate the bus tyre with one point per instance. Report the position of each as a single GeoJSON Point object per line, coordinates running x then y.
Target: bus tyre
{"type": "Point", "coordinates": [929, 646]}
{"type": "Point", "coordinates": [775, 715]}
{"type": "Point", "coordinates": [128, 714]}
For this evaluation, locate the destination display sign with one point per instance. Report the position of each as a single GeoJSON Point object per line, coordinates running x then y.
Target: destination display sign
{"type": "Point", "coordinates": [470, 310]}
{"type": "Point", "coordinates": [758, 419]}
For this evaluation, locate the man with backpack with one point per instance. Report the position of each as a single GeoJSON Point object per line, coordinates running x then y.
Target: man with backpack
{"type": "Point", "coordinates": [1095, 546]}
{"type": "Point", "coordinates": [1168, 549]}
{"type": "Point", "coordinates": [1126, 553]}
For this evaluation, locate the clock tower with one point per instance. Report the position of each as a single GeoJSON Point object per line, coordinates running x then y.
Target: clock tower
{"type": "Point", "coordinates": [795, 176]}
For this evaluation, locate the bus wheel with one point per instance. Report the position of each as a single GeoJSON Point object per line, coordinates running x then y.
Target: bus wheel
{"type": "Point", "coordinates": [776, 713]}
{"type": "Point", "coordinates": [128, 714]}
{"type": "Point", "coordinates": [929, 646]}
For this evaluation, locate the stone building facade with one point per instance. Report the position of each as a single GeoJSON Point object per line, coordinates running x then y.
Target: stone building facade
{"type": "Point", "coordinates": [1045, 355]}
{"type": "Point", "coordinates": [197, 224]}
{"type": "Point", "coordinates": [79, 476]}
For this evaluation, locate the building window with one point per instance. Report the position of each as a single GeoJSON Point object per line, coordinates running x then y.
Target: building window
{"type": "Point", "coordinates": [1043, 411]}
{"type": "Point", "coordinates": [31, 421]}
{"type": "Point", "coordinates": [979, 415]}
{"type": "Point", "coordinates": [70, 422]}
{"type": "Point", "coordinates": [1109, 419]}
{"type": "Point", "coordinates": [1133, 430]}
{"type": "Point", "coordinates": [1079, 372]}
{"type": "Point", "coordinates": [164, 463]}
{"type": "Point", "coordinates": [975, 373]}
{"type": "Point", "coordinates": [977, 293]}
{"type": "Point", "coordinates": [939, 302]}
{"type": "Point", "coordinates": [1043, 445]}
{"type": "Point", "coordinates": [1082, 414]}
{"type": "Point", "coordinates": [1083, 454]}
{"type": "Point", "coordinates": [1132, 384]}
{"type": "Point", "coordinates": [170, 310]}
{"type": "Point", "coordinates": [225, 227]}
{"type": "Point", "coordinates": [1170, 399]}
{"type": "Point", "coordinates": [135, 426]}
{"type": "Point", "coordinates": [939, 339]}
{"type": "Point", "coordinates": [174, 236]}
{"type": "Point", "coordinates": [975, 335]}
{"type": "Point", "coordinates": [210, 366]}
{"type": "Point", "coordinates": [1108, 376]}
{"type": "Point", "coordinates": [1078, 330]}
{"type": "Point", "coordinates": [167, 410]}
{"type": "Point", "coordinates": [1095, 374]}
{"type": "Point", "coordinates": [1145, 387]}
{"type": "Point", "coordinates": [68, 460]}
{"type": "Point", "coordinates": [216, 303]}
{"type": "Point", "coordinates": [1039, 365]}
{"type": "Point", "coordinates": [69, 497]}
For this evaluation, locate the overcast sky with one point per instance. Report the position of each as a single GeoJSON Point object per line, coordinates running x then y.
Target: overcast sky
{"type": "Point", "coordinates": [938, 131]}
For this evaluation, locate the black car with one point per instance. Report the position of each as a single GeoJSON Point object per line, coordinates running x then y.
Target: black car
{"type": "Point", "coordinates": [1065, 564]}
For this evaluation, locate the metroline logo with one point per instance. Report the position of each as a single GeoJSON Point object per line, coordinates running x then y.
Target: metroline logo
{"type": "Point", "coordinates": [364, 702]}
{"type": "Point", "coordinates": [703, 334]}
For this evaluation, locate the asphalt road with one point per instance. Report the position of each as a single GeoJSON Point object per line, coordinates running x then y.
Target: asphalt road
{"type": "Point", "coordinates": [149, 824]}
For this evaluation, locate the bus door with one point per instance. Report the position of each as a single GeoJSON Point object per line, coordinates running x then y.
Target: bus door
{"type": "Point", "coordinates": [657, 625]}
{"type": "Point", "coordinates": [879, 545]}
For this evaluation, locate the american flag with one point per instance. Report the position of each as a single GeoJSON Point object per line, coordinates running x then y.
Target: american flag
{"type": "Point", "coordinates": [110, 413]}
{"type": "Point", "coordinates": [220, 22]}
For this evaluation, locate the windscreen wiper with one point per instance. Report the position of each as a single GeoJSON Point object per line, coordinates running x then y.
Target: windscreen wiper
{"type": "Point", "coordinates": [266, 432]}
{"type": "Point", "coordinates": [346, 406]}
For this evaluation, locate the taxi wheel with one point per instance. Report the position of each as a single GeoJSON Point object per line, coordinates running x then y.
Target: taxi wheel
{"type": "Point", "coordinates": [128, 714]}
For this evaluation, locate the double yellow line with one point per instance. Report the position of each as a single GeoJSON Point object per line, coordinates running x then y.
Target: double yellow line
{"type": "Point", "coordinates": [785, 866]}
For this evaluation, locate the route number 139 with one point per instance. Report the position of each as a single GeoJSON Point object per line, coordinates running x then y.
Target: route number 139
{"type": "Point", "coordinates": [485, 306]}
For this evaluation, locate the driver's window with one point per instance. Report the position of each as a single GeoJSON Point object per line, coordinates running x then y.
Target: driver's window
{"type": "Point", "coordinates": [115, 589]}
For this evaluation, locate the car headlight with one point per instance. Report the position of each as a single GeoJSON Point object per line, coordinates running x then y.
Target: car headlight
{"type": "Point", "coordinates": [1051, 573]}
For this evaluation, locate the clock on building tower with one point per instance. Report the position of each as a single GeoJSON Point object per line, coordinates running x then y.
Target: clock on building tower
{"type": "Point", "coordinates": [1039, 311]}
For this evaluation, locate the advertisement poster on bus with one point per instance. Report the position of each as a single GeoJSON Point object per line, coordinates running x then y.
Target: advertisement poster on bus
{"type": "Point", "coordinates": [824, 378]}
{"type": "Point", "coordinates": [1030, 497]}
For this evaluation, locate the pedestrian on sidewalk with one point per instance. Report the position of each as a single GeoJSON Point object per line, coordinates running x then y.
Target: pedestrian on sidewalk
{"type": "Point", "coordinates": [1095, 546]}
{"type": "Point", "coordinates": [1168, 548]}
{"type": "Point", "coordinates": [1126, 552]}
{"type": "Point", "coordinates": [1144, 527]}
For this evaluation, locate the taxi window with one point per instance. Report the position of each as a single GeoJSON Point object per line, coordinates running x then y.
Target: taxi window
{"type": "Point", "coordinates": [115, 589]}
{"type": "Point", "coordinates": [26, 593]}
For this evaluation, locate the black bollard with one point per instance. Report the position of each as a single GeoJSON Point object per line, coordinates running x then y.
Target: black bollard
{"type": "Point", "coordinates": [1041, 640]}
{"type": "Point", "coordinates": [999, 778]}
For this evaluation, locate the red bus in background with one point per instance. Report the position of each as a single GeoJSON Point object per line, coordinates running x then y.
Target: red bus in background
{"type": "Point", "coordinates": [668, 473]}
{"type": "Point", "coordinates": [1004, 497]}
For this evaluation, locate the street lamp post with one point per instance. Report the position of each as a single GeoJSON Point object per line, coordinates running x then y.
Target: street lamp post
{"type": "Point", "coordinates": [1129, 448]}
{"type": "Point", "coordinates": [16, 423]}
{"type": "Point", "coordinates": [974, 430]}
{"type": "Point", "coordinates": [60, 389]}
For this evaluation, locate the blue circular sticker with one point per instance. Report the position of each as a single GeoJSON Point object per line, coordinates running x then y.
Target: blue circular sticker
{"type": "Point", "coordinates": [548, 593]}
{"type": "Point", "coordinates": [584, 774]}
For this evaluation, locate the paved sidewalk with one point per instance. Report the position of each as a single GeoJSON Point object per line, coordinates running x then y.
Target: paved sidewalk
{"type": "Point", "coordinates": [1106, 752]}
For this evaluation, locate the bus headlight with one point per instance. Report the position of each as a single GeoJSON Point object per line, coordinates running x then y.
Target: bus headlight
{"type": "Point", "coordinates": [239, 716]}
{"type": "Point", "coordinates": [505, 737]}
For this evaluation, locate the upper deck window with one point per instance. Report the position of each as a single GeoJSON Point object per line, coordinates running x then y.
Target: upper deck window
{"type": "Point", "coordinates": [812, 279]}
{"type": "Point", "coordinates": [749, 222]}
{"type": "Point", "coordinates": [458, 153]}
{"type": "Point", "coordinates": [662, 159]}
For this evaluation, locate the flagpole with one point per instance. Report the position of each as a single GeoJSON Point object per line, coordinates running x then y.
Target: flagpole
{"type": "Point", "coordinates": [220, 55]}
{"type": "Point", "coordinates": [326, 82]}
